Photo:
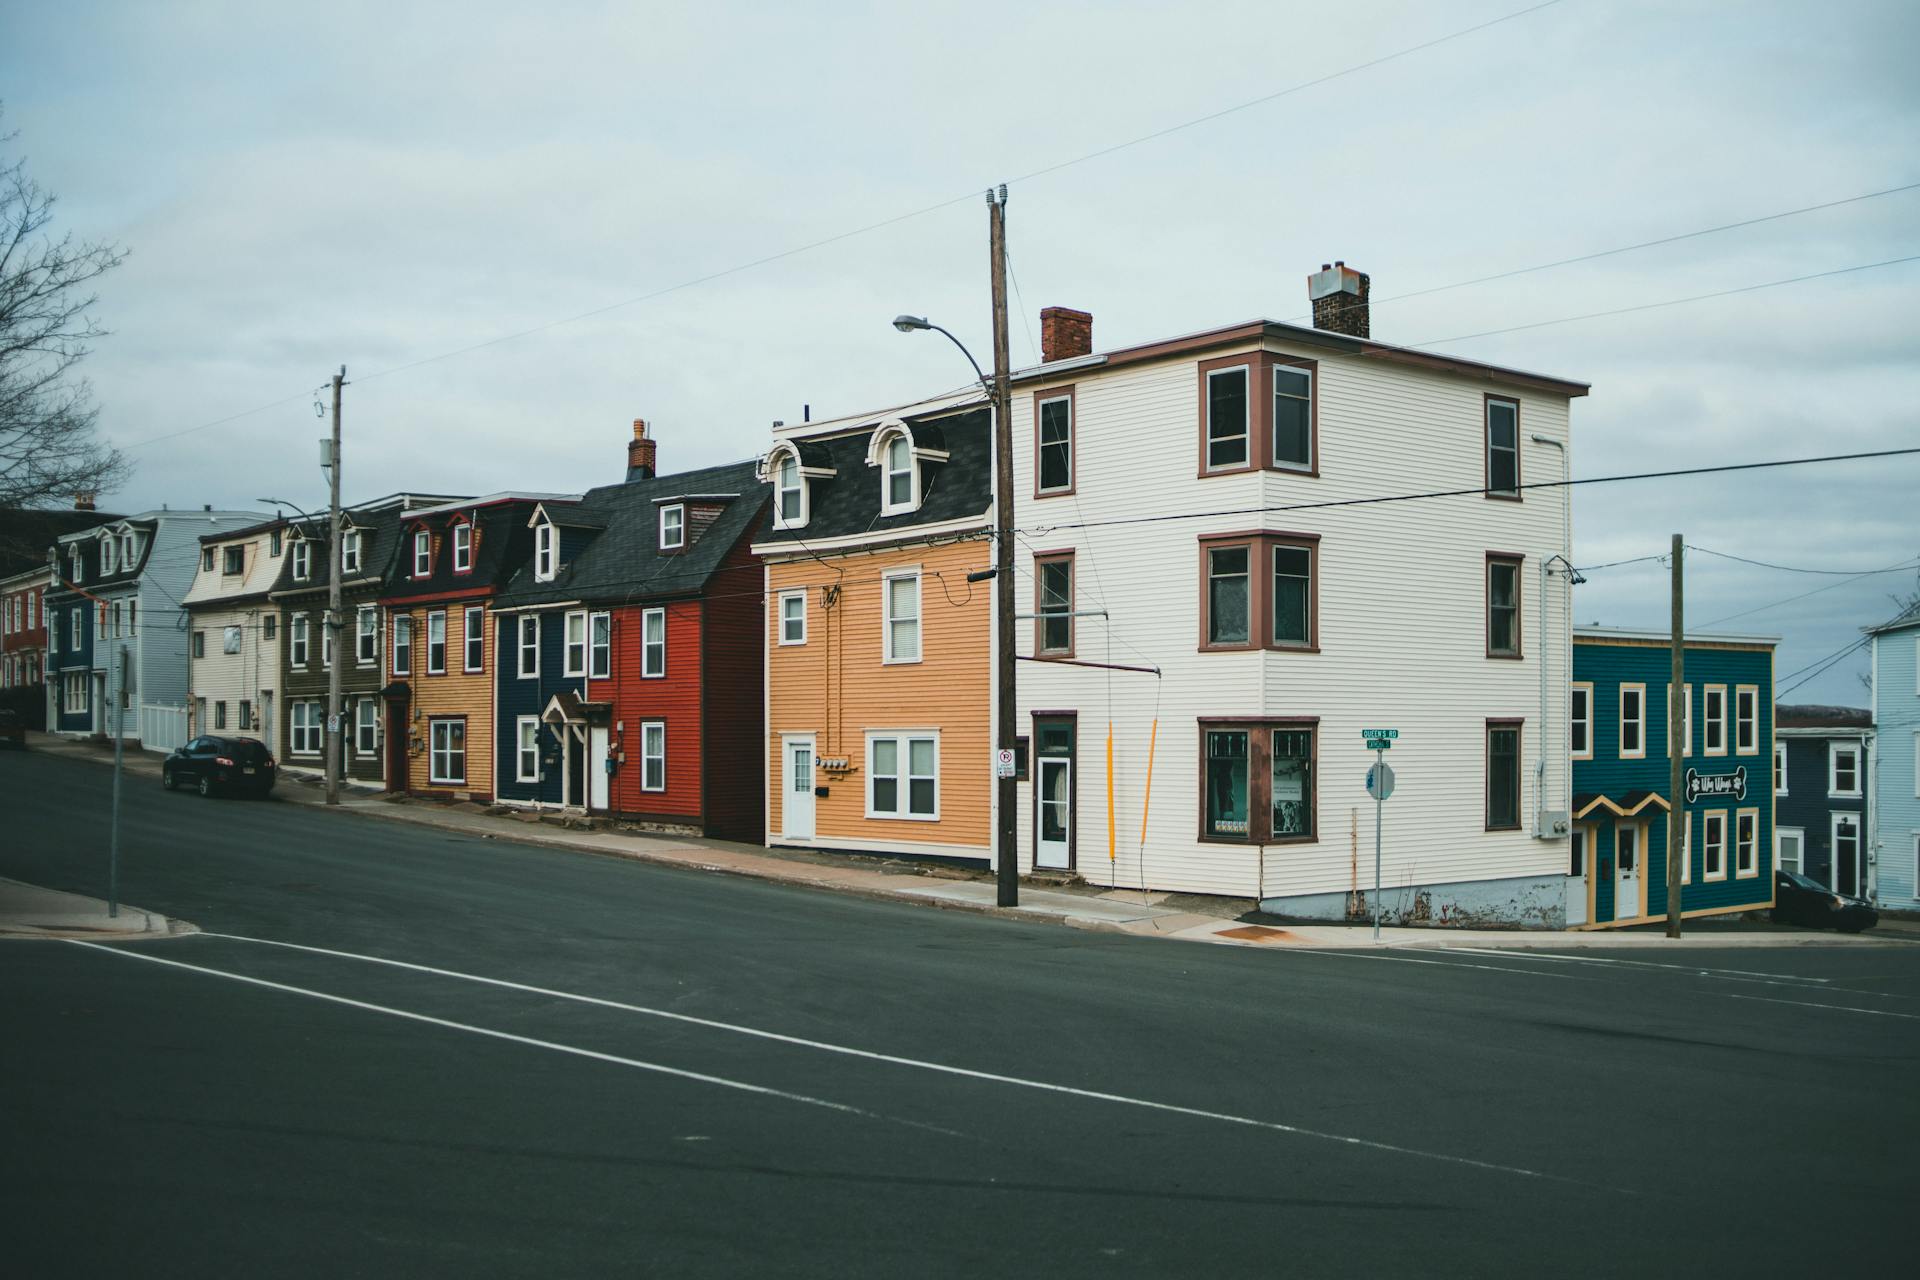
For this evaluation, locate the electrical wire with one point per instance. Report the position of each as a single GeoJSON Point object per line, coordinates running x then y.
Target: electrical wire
{"type": "Point", "coordinates": [1787, 568]}
{"type": "Point", "coordinates": [1744, 613]}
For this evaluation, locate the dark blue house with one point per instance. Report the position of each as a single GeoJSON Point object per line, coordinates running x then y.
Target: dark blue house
{"type": "Point", "coordinates": [1821, 780]}
{"type": "Point", "coordinates": [70, 631]}
{"type": "Point", "coordinates": [1621, 776]}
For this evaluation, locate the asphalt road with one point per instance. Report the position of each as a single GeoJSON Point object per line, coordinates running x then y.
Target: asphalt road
{"type": "Point", "coordinates": [702, 1075]}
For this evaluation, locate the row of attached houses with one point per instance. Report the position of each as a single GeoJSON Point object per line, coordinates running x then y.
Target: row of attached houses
{"type": "Point", "coordinates": [1212, 606]}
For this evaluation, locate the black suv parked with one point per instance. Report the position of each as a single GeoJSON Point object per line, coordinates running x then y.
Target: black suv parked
{"type": "Point", "coordinates": [226, 764]}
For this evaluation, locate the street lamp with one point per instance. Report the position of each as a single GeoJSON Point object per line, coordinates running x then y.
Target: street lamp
{"type": "Point", "coordinates": [1005, 844]}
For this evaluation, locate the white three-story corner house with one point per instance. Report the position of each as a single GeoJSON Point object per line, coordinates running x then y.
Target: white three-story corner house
{"type": "Point", "coordinates": [1220, 601]}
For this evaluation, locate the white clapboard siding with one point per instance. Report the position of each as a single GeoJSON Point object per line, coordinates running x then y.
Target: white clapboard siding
{"type": "Point", "coordinates": [1401, 627]}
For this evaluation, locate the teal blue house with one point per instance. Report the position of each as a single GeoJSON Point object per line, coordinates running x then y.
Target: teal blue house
{"type": "Point", "coordinates": [1893, 827]}
{"type": "Point", "coordinates": [1621, 774]}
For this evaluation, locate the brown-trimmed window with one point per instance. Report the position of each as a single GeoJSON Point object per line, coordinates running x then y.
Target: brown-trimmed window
{"type": "Point", "coordinates": [1503, 775]}
{"type": "Point", "coordinates": [1053, 601]}
{"type": "Point", "coordinates": [1053, 457]}
{"type": "Point", "coordinates": [1257, 781]}
{"type": "Point", "coordinates": [1259, 411]}
{"type": "Point", "coordinates": [1503, 447]}
{"type": "Point", "coordinates": [1259, 591]}
{"type": "Point", "coordinates": [1503, 605]}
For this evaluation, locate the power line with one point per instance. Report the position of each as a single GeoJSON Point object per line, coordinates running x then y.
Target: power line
{"type": "Point", "coordinates": [1615, 564]}
{"type": "Point", "coordinates": [1670, 302]}
{"type": "Point", "coordinates": [1478, 491]}
{"type": "Point", "coordinates": [896, 219]}
{"type": "Point", "coordinates": [1744, 613]}
{"type": "Point", "coordinates": [1787, 568]}
{"type": "Point", "coordinates": [1825, 666]}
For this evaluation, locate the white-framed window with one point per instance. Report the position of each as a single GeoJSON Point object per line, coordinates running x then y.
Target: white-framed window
{"type": "Point", "coordinates": [1779, 768]}
{"type": "Point", "coordinates": [1713, 714]}
{"type": "Point", "coordinates": [403, 644]}
{"type": "Point", "coordinates": [366, 726]}
{"type": "Point", "coordinates": [599, 646]}
{"type": "Point", "coordinates": [73, 561]}
{"type": "Point", "coordinates": [422, 554]}
{"type": "Point", "coordinates": [1746, 842]}
{"type": "Point", "coordinates": [1916, 788]}
{"type": "Point", "coordinates": [106, 557]}
{"type": "Point", "coordinates": [473, 655]}
{"type": "Point", "coordinates": [899, 476]}
{"type": "Point", "coordinates": [673, 527]}
{"type": "Point", "coordinates": [350, 552]}
{"type": "Point", "coordinates": [1503, 447]}
{"type": "Point", "coordinates": [529, 648]}
{"type": "Point", "coordinates": [793, 617]}
{"type": "Point", "coordinates": [1054, 445]}
{"type": "Point", "coordinates": [1633, 721]}
{"type": "Point", "coordinates": [1229, 417]}
{"type": "Point", "coordinates": [302, 560]}
{"type": "Point", "coordinates": [366, 636]}
{"type": "Point", "coordinates": [900, 616]}
{"type": "Point", "coordinates": [653, 643]}
{"type": "Point", "coordinates": [653, 755]}
{"type": "Point", "coordinates": [76, 626]}
{"type": "Point", "coordinates": [1292, 417]}
{"type": "Point", "coordinates": [1686, 720]}
{"type": "Point", "coordinates": [1789, 848]}
{"type": "Point", "coordinates": [1580, 720]}
{"type": "Point", "coordinates": [437, 643]}
{"type": "Point", "coordinates": [229, 636]}
{"type": "Point", "coordinates": [304, 728]}
{"type": "Point", "coordinates": [576, 647]}
{"type": "Point", "coordinates": [129, 545]}
{"type": "Point", "coordinates": [903, 776]}
{"type": "Point", "coordinates": [447, 751]}
{"type": "Point", "coordinates": [298, 639]}
{"type": "Point", "coordinates": [789, 494]}
{"type": "Point", "coordinates": [526, 749]}
{"type": "Point", "coordinates": [546, 552]}
{"type": "Point", "coordinates": [1713, 844]}
{"type": "Point", "coordinates": [462, 547]}
{"type": "Point", "coordinates": [1746, 719]}
{"type": "Point", "coordinates": [1843, 769]}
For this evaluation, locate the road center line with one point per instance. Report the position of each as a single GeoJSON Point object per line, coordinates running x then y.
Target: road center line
{"type": "Point", "coordinates": [1809, 1004]}
{"type": "Point", "coordinates": [575, 1050]}
{"type": "Point", "coordinates": [1644, 964]}
{"type": "Point", "coordinates": [915, 1063]}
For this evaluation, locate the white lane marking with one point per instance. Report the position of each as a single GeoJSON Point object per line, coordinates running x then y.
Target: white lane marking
{"type": "Point", "coordinates": [1809, 1004]}
{"type": "Point", "coordinates": [1644, 964]}
{"type": "Point", "coordinates": [660, 1068]}
{"type": "Point", "coordinates": [939, 1067]}
{"type": "Point", "coordinates": [1399, 957]}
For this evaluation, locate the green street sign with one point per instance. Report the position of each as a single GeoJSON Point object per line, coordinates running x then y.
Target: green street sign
{"type": "Point", "coordinates": [1379, 744]}
{"type": "Point", "coordinates": [1379, 733]}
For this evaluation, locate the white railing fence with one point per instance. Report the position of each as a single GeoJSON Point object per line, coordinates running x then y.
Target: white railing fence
{"type": "Point", "coordinates": [162, 728]}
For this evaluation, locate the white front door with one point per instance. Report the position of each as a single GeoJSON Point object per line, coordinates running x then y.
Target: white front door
{"type": "Point", "coordinates": [796, 783]}
{"type": "Point", "coordinates": [597, 769]}
{"type": "Point", "coordinates": [1053, 801]}
{"type": "Point", "coordinates": [1626, 871]}
{"type": "Point", "coordinates": [1577, 878]}
{"type": "Point", "coordinates": [1789, 848]}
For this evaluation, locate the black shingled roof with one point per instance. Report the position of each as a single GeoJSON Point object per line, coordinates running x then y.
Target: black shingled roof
{"type": "Point", "coordinates": [27, 532]}
{"type": "Point", "coordinates": [1813, 715]}
{"type": "Point", "coordinates": [623, 563]}
{"type": "Point", "coordinates": [848, 502]}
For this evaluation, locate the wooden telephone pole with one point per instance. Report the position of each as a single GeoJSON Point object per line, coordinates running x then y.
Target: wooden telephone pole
{"type": "Point", "coordinates": [332, 626]}
{"type": "Point", "coordinates": [1676, 743]}
{"type": "Point", "coordinates": [1006, 850]}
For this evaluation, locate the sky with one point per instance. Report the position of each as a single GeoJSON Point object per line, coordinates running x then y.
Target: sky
{"type": "Point", "coordinates": [522, 227]}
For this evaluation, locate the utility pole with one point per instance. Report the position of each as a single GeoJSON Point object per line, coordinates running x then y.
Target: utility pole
{"type": "Point", "coordinates": [332, 625]}
{"type": "Point", "coordinates": [1676, 743]}
{"type": "Point", "coordinates": [119, 764]}
{"type": "Point", "coordinates": [1005, 846]}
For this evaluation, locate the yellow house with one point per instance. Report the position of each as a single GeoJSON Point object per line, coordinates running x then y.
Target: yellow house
{"type": "Point", "coordinates": [880, 650]}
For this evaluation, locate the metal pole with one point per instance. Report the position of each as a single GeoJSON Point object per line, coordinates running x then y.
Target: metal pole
{"type": "Point", "coordinates": [1379, 811]}
{"type": "Point", "coordinates": [119, 761]}
{"type": "Point", "coordinates": [1006, 850]}
{"type": "Point", "coordinates": [1676, 743]}
{"type": "Point", "coordinates": [333, 621]}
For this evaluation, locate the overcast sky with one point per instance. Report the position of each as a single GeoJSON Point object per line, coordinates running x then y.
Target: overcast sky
{"type": "Point", "coordinates": [380, 184]}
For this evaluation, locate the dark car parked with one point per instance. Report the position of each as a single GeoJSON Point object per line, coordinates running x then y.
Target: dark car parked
{"type": "Point", "coordinates": [13, 730]}
{"type": "Point", "coordinates": [220, 764]}
{"type": "Point", "coordinates": [1799, 899]}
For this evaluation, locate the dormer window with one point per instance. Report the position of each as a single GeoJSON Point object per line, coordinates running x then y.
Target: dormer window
{"type": "Point", "coordinates": [106, 557]}
{"type": "Point", "coordinates": [462, 547]}
{"type": "Point", "coordinates": [273, 543]}
{"type": "Point", "coordinates": [73, 559]}
{"type": "Point", "coordinates": [302, 560]}
{"type": "Point", "coordinates": [673, 527]}
{"type": "Point", "coordinates": [900, 457]}
{"type": "Point", "coordinates": [350, 551]}
{"type": "Point", "coordinates": [423, 554]}
{"type": "Point", "coordinates": [788, 494]}
{"type": "Point", "coordinates": [127, 547]}
{"type": "Point", "coordinates": [546, 553]}
{"type": "Point", "coordinates": [233, 561]}
{"type": "Point", "coordinates": [899, 475]}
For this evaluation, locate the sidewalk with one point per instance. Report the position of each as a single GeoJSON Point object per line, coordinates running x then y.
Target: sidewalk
{"type": "Point", "coordinates": [1158, 915]}
{"type": "Point", "coordinates": [28, 911]}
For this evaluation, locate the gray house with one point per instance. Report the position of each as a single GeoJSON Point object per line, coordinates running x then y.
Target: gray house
{"type": "Point", "coordinates": [117, 589]}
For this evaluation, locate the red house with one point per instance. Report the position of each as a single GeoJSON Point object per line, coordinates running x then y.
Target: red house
{"type": "Point", "coordinates": [630, 653]}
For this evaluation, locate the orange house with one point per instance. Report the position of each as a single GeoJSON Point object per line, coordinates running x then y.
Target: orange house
{"type": "Point", "coordinates": [879, 649]}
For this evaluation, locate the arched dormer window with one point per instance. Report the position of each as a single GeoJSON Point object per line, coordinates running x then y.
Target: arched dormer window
{"type": "Point", "coordinates": [789, 492]}
{"type": "Point", "coordinates": [106, 555]}
{"type": "Point", "coordinates": [791, 467]}
{"type": "Point", "coordinates": [73, 559]}
{"type": "Point", "coordinates": [900, 458]}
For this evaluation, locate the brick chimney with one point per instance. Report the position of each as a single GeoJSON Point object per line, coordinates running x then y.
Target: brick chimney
{"type": "Point", "coordinates": [640, 452]}
{"type": "Point", "coordinates": [1064, 334]}
{"type": "Point", "coordinates": [84, 501]}
{"type": "Point", "coordinates": [1339, 295]}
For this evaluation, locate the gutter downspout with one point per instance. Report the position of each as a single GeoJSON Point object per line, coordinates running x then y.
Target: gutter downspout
{"type": "Point", "coordinates": [1546, 575]}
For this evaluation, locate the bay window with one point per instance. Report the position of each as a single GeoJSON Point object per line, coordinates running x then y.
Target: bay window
{"type": "Point", "coordinates": [1258, 781]}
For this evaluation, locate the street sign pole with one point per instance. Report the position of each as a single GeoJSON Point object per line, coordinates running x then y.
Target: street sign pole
{"type": "Point", "coordinates": [1379, 812]}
